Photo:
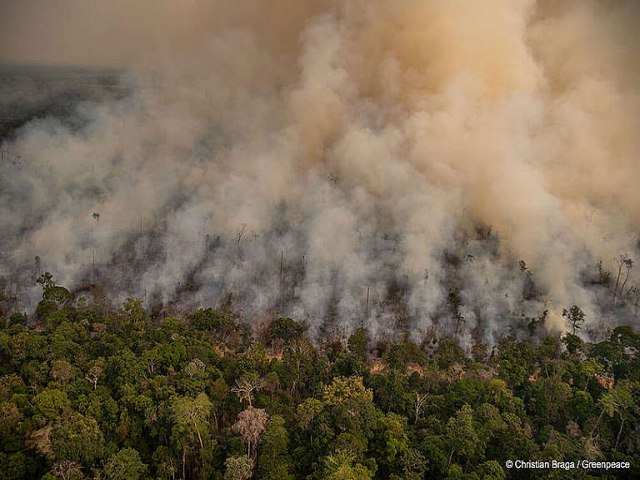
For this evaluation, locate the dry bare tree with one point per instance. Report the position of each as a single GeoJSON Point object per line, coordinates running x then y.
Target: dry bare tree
{"type": "Point", "coordinates": [65, 469]}
{"type": "Point", "coordinates": [250, 425]}
{"type": "Point", "coordinates": [624, 263]}
{"type": "Point", "coordinates": [239, 234]}
{"type": "Point", "coordinates": [245, 388]}
{"type": "Point", "coordinates": [419, 404]}
{"type": "Point", "coordinates": [93, 375]}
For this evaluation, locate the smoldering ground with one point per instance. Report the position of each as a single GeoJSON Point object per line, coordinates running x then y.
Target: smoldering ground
{"type": "Point", "coordinates": [413, 166]}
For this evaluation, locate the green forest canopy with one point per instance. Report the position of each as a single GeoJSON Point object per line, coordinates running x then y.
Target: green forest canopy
{"type": "Point", "coordinates": [86, 393]}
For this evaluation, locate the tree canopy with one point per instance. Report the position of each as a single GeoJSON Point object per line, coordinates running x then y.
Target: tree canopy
{"type": "Point", "coordinates": [89, 393]}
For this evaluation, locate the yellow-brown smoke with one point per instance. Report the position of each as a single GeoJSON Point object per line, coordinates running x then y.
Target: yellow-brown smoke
{"type": "Point", "coordinates": [366, 137]}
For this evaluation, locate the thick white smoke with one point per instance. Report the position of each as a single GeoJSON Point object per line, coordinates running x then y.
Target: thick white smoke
{"type": "Point", "coordinates": [343, 162]}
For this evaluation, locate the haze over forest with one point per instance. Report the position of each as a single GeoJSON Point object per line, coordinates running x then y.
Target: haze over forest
{"type": "Point", "coordinates": [398, 165]}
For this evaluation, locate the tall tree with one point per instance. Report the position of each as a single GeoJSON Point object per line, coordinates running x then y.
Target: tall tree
{"type": "Point", "coordinates": [250, 425]}
{"type": "Point", "coordinates": [274, 462]}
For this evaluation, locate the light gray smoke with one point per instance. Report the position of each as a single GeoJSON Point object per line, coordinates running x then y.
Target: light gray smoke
{"type": "Point", "coordinates": [387, 163]}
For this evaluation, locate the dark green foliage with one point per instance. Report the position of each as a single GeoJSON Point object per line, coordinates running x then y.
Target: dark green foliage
{"type": "Point", "coordinates": [54, 297]}
{"type": "Point", "coordinates": [447, 353]}
{"type": "Point", "coordinates": [573, 343]}
{"type": "Point", "coordinates": [17, 318]}
{"type": "Point", "coordinates": [575, 317]}
{"type": "Point", "coordinates": [222, 323]}
{"type": "Point", "coordinates": [77, 438]}
{"type": "Point", "coordinates": [358, 342]}
{"type": "Point", "coordinates": [125, 465]}
{"type": "Point", "coordinates": [120, 395]}
{"type": "Point", "coordinates": [285, 329]}
{"type": "Point", "coordinates": [274, 462]}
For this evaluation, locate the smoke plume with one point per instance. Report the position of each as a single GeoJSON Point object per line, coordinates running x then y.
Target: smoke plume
{"type": "Point", "coordinates": [430, 166]}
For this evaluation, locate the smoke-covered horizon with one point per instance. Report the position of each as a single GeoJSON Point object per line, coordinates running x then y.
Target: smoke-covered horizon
{"type": "Point", "coordinates": [387, 163]}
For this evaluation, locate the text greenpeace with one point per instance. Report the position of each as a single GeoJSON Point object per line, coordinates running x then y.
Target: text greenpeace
{"type": "Point", "coordinates": [566, 465]}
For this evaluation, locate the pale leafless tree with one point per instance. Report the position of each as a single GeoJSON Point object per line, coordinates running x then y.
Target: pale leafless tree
{"type": "Point", "coordinates": [65, 469]}
{"type": "Point", "coordinates": [250, 425]}
{"type": "Point", "coordinates": [419, 404]}
{"type": "Point", "coordinates": [93, 375]}
{"type": "Point", "coordinates": [239, 234]}
{"type": "Point", "coordinates": [245, 388]}
{"type": "Point", "coordinates": [624, 263]}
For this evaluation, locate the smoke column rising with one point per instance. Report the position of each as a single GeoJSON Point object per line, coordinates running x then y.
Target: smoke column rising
{"type": "Point", "coordinates": [340, 162]}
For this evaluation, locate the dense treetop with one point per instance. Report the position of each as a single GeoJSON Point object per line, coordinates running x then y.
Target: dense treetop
{"type": "Point", "coordinates": [91, 393]}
